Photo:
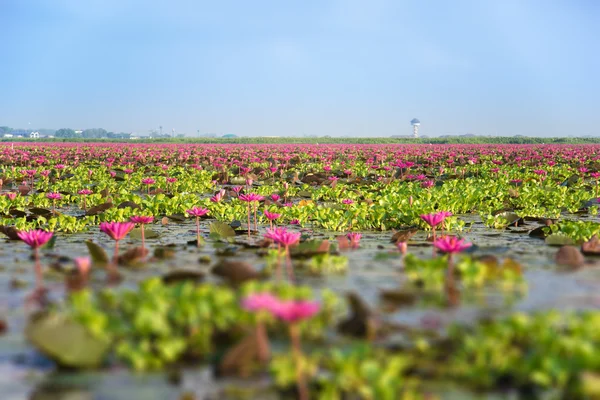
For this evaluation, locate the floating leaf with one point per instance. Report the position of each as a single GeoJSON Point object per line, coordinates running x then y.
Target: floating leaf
{"type": "Point", "coordinates": [40, 211]}
{"type": "Point", "coordinates": [310, 248]}
{"type": "Point", "coordinates": [136, 233]}
{"type": "Point", "coordinates": [65, 341]}
{"type": "Point", "coordinates": [221, 229]}
{"type": "Point", "coordinates": [131, 204]}
{"type": "Point", "coordinates": [183, 275]}
{"type": "Point", "coordinates": [10, 231]}
{"type": "Point", "coordinates": [591, 247]}
{"type": "Point", "coordinates": [97, 253]}
{"type": "Point", "coordinates": [404, 235]}
{"type": "Point", "coordinates": [361, 322]}
{"type": "Point", "coordinates": [133, 256]}
{"type": "Point", "coordinates": [177, 217]}
{"type": "Point", "coordinates": [163, 253]}
{"type": "Point", "coordinates": [557, 239]}
{"type": "Point", "coordinates": [17, 213]}
{"type": "Point", "coordinates": [569, 256]}
{"type": "Point", "coordinates": [305, 193]}
{"type": "Point", "coordinates": [235, 272]}
{"type": "Point", "coordinates": [246, 356]}
{"type": "Point", "coordinates": [98, 209]}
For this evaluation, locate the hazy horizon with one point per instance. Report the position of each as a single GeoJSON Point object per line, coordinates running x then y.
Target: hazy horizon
{"type": "Point", "coordinates": [329, 67]}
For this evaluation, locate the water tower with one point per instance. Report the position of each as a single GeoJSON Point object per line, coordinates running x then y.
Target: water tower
{"type": "Point", "coordinates": [415, 125]}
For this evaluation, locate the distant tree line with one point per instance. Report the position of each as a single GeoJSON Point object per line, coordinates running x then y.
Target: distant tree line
{"type": "Point", "coordinates": [95, 133]}
{"type": "Point", "coordinates": [71, 136]}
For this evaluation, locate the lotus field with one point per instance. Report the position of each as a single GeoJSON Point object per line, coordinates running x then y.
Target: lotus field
{"type": "Point", "coordinates": [376, 272]}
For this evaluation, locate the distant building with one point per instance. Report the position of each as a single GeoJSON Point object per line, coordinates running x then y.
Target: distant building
{"type": "Point", "coordinates": [7, 135]}
{"type": "Point", "coordinates": [34, 135]}
{"type": "Point", "coordinates": [229, 136]}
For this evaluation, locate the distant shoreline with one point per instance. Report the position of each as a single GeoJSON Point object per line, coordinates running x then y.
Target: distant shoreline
{"type": "Point", "coordinates": [326, 140]}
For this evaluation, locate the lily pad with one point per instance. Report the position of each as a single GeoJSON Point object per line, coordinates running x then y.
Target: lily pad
{"type": "Point", "coordinates": [130, 204]}
{"type": "Point", "coordinates": [136, 233]}
{"type": "Point", "coordinates": [235, 272]}
{"type": "Point", "coordinates": [97, 253]}
{"type": "Point", "coordinates": [569, 256]}
{"type": "Point", "coordinates": [133, 256]}
{"type": "Point", "coordinates": [98, 209]}
{"type": "Point", "coordinates": [10, 231]}
{"type": "Point", "coordinates": [183, 275]}
{"type": "Point", "coordinates": [177, 217]}
{"type": "Point", "coordinates": [557, 239]}
{"type": "Point", "coordinates": [221, 229]}
{"type": "Point", "coordinates": [65, 341]}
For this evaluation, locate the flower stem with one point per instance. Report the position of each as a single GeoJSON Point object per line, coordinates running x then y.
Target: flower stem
{"type": "Point", "coordinates": [297, 354]}
{"type": "Point", "coordinates": [39, 278]}
{"type": "Point", "coordinates": [115, 261]}
{"type": "Point", "coordinates": [198, 231]}
{"type": "Point", "coordinates": [248, 220]}
{"type": "Point", "coordinates": [288, 263]}
{"type": "Point", "coordinates": [143, 236]}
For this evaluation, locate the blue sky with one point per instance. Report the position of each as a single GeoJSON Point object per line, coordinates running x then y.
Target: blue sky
{"type": "Point", "coordinates": [322, 67]}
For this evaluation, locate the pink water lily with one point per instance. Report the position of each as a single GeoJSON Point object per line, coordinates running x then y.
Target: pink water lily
{"type": "Point", "coordinates": [251, 198]}
{"type": "Point", "coordinates": [117, 231]}
{"type": "Point", "coordinates": [294, 311]}
{"type": "Point", "coordinates": [451, 244]}
{"type": "Point", "coordinates": [35, 239]}
{"type": "Point", "coordinates": [197, 212]}
{"type": "Point", "coordinates": [271, 217]}
{"type": "Point", "coordinates": [434, 219]}
{"type": "Point", "coordinates": [142, 220]}
{"type": "Point", "coordinates": [354, 238]}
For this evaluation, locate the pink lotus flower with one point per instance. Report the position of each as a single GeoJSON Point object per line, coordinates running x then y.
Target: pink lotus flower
{"type": "Point", "coordinates": [260, 302]}
{"type": "Point", "coordinates": [275, 197]}
{"type": "Point", "coordinates": [148, 181]}
{"type": "Point", "coordinates": [171, 180]}
{"type": "Point", "coordinates": [294, 311]}
{"type": "Point", "coordinates": [287, 238]}
{"type": "Point", "coordinates": [142, 219]}
{"type": "Point", "coordinates": [85, 192]}
{"type": "Point", "coordinates": [251, 197]}
{"type": "Point", "coordinates": [295, 222]}
{"type": "Point", "coordinates": [83, 265]}
{"type": "Point", "coordinates": [271, 216]}
{"type": "Point", "coordinates": [354, 238]}
{"type": "Point", "coordinates": [402, 247]}
{"type": "Point", "coordinates": [237, 189]}
{"type": "Point", "coordinates": [53, 196]}
{"type": "Point", "coordinates": [10, 195]}
{"type": "Point", "coordinates": [116, 230]}
{"type": "Point", "coordinates": [35, 238]}
{"type": "Point", "coordinates": [347, 201]}
{"type": "Point", "coordinates": [197, 211]}
{"type": "Point", "coordinates": [434, 219]}
{"type": "Point", "coordinates": [451, 244]}
{"type": "Point", "coordinates": [427, 184]}
{"type": "Point", "coordinates": [218, 197]}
